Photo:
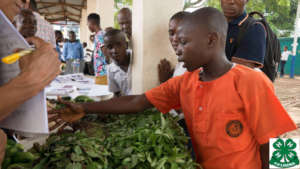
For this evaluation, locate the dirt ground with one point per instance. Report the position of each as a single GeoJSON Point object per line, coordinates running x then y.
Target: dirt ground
{"type": "Point", "coordinates": [288, 92]}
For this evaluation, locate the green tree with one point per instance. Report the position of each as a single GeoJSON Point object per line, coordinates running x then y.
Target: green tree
{"type": "Point", "coordinates": [280, 14]}
{"type": "Point", "coordinates": [122, 3]}
{"type": "Point", "coordinates": [192, 4]}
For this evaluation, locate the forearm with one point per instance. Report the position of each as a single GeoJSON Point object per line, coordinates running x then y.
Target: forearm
{"type": "Point", "coordinates": [120, 105]}
{"type": "Point", "coordinates": [16, 92]}
{"type": "Point", "coordinates": [264, 155]}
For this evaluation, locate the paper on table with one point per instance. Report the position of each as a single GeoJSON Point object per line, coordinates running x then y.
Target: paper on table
{"type": "Point", "coordinates": [74, 85]}
{"type": "Point", "coordinates": [31, 117]}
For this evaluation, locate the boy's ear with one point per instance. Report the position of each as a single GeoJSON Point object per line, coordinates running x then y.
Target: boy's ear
{"type": "Point", "coordinates": [212, 39]}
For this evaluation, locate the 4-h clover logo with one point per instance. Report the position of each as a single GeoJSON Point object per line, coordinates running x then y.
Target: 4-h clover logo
{"type": "Point", "coordinates": [284, 155]}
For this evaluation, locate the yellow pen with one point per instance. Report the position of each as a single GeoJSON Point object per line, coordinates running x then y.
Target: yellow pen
{"type": "Point", "coordinates": [10, 59]}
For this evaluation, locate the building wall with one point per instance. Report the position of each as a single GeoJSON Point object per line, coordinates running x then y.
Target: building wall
{"type": "Point", "coordinates": [151, 40]}
{"type": "Point", "coordinates": [105, 8]}
{"type": "Point", "coordinates": [84, 32]}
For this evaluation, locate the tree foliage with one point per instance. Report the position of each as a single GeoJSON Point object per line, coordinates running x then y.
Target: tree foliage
{"type": "Point", "coordinates": [122, 3]}
{"type": "Point", "coordinates": [280, 14]}
{"type": "Point", "coordinates": [193, 4]}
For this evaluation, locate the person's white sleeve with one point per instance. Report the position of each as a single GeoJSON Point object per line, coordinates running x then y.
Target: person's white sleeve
{"type": "Point", "coordinates": [52, 36]}
{"type": "Point", "coordinates": [112, 83]}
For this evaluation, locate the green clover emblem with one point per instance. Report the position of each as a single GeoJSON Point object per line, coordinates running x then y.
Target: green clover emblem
{"type": "Point", "coordinates": [284, 156]}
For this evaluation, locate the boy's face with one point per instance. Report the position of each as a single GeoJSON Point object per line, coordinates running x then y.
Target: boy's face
{"type": "Point", "coordinates": [193, 47]}
{"type": "Point", "coordinates": [91, 26]}
{"type": "Point", "coordinates": [116, 47]}
{"type": "Point", "coordinates": [72, 37]}
{"type": "Point", "coordinates": [59, 37]}
{"type": "Point", "coordinates": [233, 8]}
{"type": "Point", "coordinates": [173, 25]}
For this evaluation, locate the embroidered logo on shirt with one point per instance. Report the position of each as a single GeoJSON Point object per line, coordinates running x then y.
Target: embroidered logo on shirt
{"type": "Point", "coordinates": [234, 128]}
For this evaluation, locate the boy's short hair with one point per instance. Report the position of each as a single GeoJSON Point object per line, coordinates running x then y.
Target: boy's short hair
{"type": "Point", "coordinates": [95, 18]}
{"type": "Point", "coordinates": [114, 32]}
{"type": "Point", "coordinates": [72, 32]}
{"type": "Point", "coordinates": [212, 19]}
{"type": "Point", "coordinates": [179, 15]}
{"type": "Point", "coordinates": [126, 11]}
{"type": "Point", "coordinates": [58, 32]}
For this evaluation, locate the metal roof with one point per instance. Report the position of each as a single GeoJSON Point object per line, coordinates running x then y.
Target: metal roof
{"type": "Point", "coordinates": [56, 11]}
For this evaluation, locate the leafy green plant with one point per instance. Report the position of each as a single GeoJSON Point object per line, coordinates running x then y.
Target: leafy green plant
{"type": "Point", "coordinates": [280, 15]}
{"type": "Point", "coordinates": [142, 141]}
{"type": "Point", "coordinates": [145, 140]}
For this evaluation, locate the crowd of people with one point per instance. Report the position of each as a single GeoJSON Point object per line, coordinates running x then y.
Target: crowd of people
{"type": "Point", "coordinates": [226, 104]}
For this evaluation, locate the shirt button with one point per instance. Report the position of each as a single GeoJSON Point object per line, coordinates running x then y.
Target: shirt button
{"type": "Point", "coordinates": [200, 108]}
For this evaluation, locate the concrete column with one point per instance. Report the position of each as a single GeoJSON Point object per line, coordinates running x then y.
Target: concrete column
{"type": "Point", "coordinates": [84, 32]}
{"type": "Point", "coordinates": [106, 10]}
{"type": "Point", "coordinates": [91, 6]}
{"type": "Point", "coordinates": [150, 40]}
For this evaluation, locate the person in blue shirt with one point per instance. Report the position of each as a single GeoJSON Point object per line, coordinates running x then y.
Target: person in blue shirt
{"type": "Point", "coordinates": [72, 51]}
{"type": "Point", "coordinates": [252, 48]}
{"type": "Point", "coordinates": [59, 39]}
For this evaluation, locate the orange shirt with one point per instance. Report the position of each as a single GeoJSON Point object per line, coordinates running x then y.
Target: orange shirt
{"type": "Point", "coordinates": [227, 118]}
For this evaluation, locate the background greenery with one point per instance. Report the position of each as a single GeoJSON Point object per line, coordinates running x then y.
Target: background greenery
{"type": "Point", "coordinates": [280, 14]}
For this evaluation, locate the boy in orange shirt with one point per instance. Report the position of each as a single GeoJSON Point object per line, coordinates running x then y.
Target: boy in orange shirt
{"type": "Point", "coordinates": [230, 118]}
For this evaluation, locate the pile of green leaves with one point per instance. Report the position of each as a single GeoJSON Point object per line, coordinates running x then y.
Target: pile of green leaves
{"type": "Point", "coordinates": [147, 140]}
{"type": "Point", "coordinates": [70, 150]}
{"type": "Point", "coordinates": [15, 157]}
{"type": "Point", "coordinates": [142, 141]}
{"type": "Point", "coordinates": [139, 141]}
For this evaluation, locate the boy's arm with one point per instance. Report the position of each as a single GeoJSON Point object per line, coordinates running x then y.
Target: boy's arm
{"type": "Point", "coordinates": [264, 155]}
{"type": "Point", "coordinates": [112, 83]}
{"type": "Point", "coordinates": [81, 52]}
{"type": "Point", "coordinates": [164, 98]}
{"type": "Point", "coordinates": [120, 105]}
{"type": "Point", "coordinates": [65, 51]}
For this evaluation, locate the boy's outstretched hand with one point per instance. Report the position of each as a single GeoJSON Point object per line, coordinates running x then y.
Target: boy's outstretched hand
{"type": "Point", "coordinates": [165, 71]}
{"type": "Point", "coordinates": [70, 113]}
